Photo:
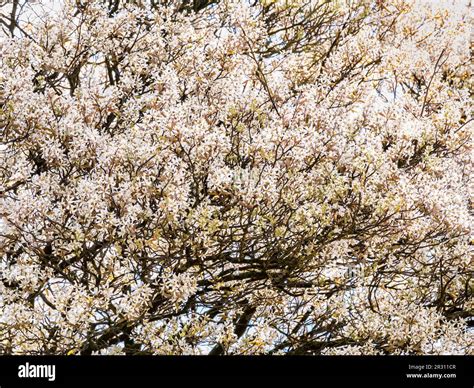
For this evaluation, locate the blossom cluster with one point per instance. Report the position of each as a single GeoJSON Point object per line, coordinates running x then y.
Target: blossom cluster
{"type": "Point", "coordinates": [236, 177]}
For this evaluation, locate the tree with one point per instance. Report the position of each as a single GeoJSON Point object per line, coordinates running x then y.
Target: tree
{"type": "Point", "coordinates": [236, 177]}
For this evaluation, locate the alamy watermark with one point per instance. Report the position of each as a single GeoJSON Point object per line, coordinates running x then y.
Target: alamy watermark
{"type": "Point", "coordinates": [37, 371]}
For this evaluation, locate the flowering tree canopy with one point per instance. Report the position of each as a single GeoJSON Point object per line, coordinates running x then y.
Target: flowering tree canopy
{"type": "Point", "coordinates": [236, 177]}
